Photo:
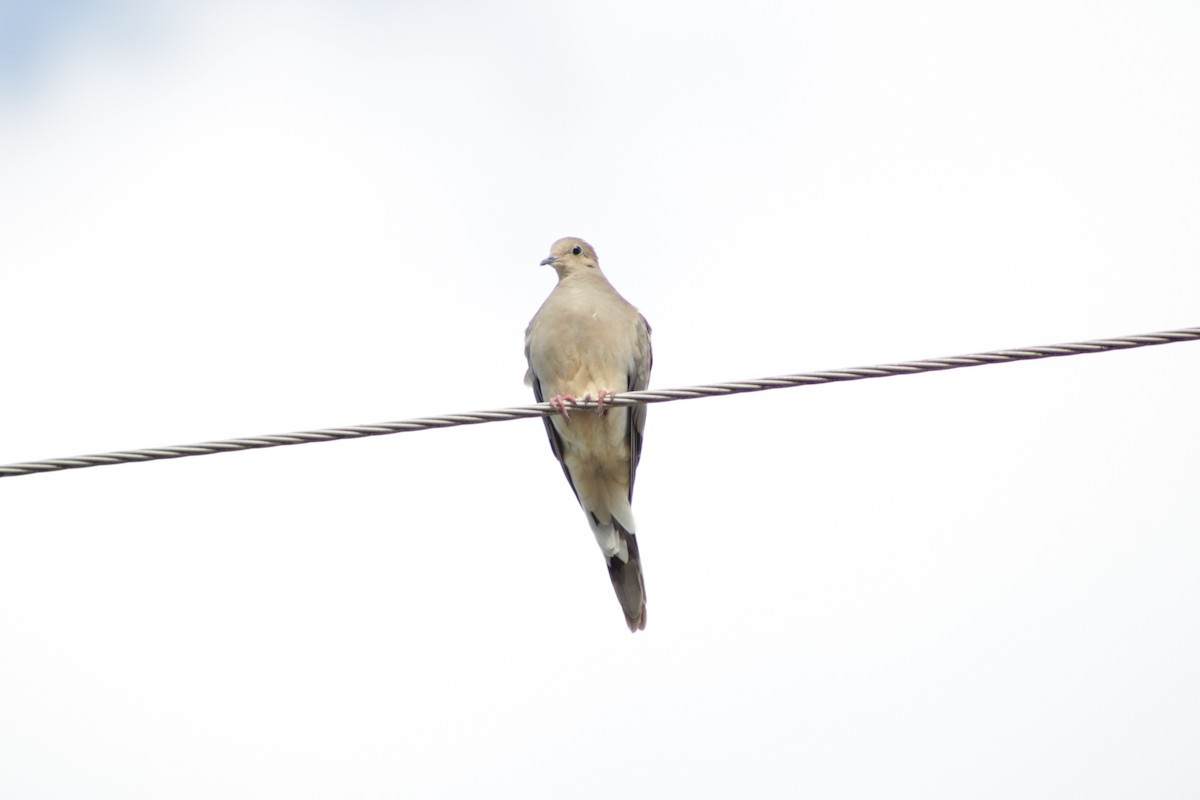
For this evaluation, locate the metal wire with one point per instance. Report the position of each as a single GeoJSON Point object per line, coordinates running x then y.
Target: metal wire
{"type": "Point", "coordinates": [623, 399]}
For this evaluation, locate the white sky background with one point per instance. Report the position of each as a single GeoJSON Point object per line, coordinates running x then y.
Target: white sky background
{"type": "Point", "coordinates": [243, 218]}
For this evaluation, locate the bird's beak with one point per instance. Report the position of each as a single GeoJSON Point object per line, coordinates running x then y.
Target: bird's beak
{"type": "Point", "coordinates": [548, 260]}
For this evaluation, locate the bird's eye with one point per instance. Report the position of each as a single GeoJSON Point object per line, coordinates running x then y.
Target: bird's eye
{"type": "Point", "coordinates": [576, 249]}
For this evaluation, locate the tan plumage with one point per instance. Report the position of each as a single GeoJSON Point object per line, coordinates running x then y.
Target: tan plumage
{"type": "Point", "coordinates": [584, 342]}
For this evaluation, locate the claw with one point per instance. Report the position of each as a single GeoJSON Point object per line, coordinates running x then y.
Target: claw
{"type": "Point", "coordinates": [600, 409]}
{"type": "Point", "coordinates": [559, 402]}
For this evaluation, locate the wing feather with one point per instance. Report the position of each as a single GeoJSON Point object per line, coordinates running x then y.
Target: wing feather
{"type": "Point", "coordinates": [638, 380]}
{"type": "Point", "coordinates": [556, 444]}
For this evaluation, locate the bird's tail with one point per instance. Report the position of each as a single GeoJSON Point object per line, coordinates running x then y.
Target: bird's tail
{"type": "Point", "coordinates": [626, 576]}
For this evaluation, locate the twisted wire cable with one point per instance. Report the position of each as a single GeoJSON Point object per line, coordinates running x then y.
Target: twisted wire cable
{"type": "Point", "coordinates": [622, 399]}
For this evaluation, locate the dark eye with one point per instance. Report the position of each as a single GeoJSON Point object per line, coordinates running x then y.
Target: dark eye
{"type": "Point", "coordinates": [576, 249]}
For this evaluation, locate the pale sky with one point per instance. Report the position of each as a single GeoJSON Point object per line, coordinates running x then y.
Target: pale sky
{"type": "Point", "coordinates": [235, 218]}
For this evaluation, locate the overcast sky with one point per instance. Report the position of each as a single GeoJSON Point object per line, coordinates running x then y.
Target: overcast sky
{"type": "Point", "coordinates": [224, 219]}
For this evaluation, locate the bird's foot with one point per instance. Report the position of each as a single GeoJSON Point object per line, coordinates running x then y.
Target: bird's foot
{"type": "Point", "coordinates": [600, 409]}
{"type": "Point", "coordinates": [559, 403]}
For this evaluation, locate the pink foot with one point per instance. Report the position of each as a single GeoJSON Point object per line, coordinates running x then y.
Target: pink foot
{"type": "Point", "coordinates": [600, 409]}
{"type": "Point", "coordinates": [559, 402]}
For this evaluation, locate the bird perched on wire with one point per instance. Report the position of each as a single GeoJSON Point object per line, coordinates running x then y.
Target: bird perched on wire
{"type": "Point", "coordinates": [587, 342]}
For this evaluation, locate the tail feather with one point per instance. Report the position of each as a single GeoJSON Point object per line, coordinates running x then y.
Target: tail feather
{"type": "Point", "coordinates": [627, 581]}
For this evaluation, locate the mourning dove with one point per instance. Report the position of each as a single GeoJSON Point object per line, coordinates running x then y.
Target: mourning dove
{"type": "Point", "coordinates": [588, 342]}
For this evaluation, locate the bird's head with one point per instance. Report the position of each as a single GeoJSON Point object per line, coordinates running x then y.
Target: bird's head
{"type": "Point", "coordinates": [570, 255]}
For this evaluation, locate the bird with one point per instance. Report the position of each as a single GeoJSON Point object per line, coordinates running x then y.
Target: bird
{"type": "Point", "coordinates": [587, 341]}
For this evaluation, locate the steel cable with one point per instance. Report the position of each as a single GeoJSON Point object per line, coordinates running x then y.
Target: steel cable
{"type": "Point", "coordinates": [623, 399]}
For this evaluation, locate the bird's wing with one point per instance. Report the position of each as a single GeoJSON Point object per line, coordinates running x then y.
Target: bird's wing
{"type": "Point", "coordinates": [639, 379]}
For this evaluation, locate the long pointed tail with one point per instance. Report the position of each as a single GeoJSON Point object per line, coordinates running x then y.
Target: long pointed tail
{"type": "Point", "coordinates": [627, 581]}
